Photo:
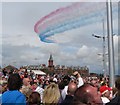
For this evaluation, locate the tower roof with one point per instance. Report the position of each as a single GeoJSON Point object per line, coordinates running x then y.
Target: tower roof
{"type": "Point", "coordinates": [51, 58]}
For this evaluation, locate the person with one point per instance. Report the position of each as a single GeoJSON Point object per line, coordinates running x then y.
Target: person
{"type": "Point", "coordinates": [76, 102]}
{"type": "Point", "coordinates": [34, 99]}
{"type": "Point", "coordinates": [51, 94]}
{"type": "Point", "coordinates": [0, 94]}
{"type": "Point", "coordinates": [79, 78]}
{"type": "Point", "coordinates": [88, 94]}
{"type": "Point", "coordinates": [116, 99]}
{"type": "Point", "coordinates": [26, 82]}
{"type": "Point", "coordinates": [70, 93]}
{"type": "Point", "coordinates": [38, 89]}
{"type": "Point", "coordinates": [65, 81]}
{"type": "Point", "coordinates": [46, 83]}
{"type": "Point", "coordinates": [55, 79]}
{"type": "Point", "coordinates": [4, 87]}
{"type": "Point", "coordinates": [61, 87]}
{"type": "Point", "coordinates": [94, 82]}
{"type": "Point", "coordinates": [26, 91]}
{"type": "Point", "coordinates": [105, 91]}
{"type": "Point", "coordinates": [13, 95]}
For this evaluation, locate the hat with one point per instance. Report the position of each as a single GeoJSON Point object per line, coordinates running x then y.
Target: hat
{"type": "Point", "coordinates": [104, 89]}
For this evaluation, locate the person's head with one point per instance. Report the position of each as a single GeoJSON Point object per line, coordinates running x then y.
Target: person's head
{"type": "Point", "coordinates": [61, 85]}
{"type": "Point", "coordinates": [76, 102]}
{"type": "Point", "coordinates": [71, 88]}
{"type": "Point", "coordinates": [26, 81]}
{"type": "Point", "coordinates": [34, 86]}
{"type": "Point", "coordinates": [66, 80]}
{"type": "Point", "coordinates": [4, 86]}
{"type": "Point", "coordinates": [0, 89]}
{"type": "Point", "coordinates": [117, 83]}
{"type": "Point", "coordinates": [34, 99]}
{"type": "Point", "coordinates": [47, 82]}
{"type": "Point", "coordinates": [14, 82]}
{"type": "Point", "coordinates": [26, 90]}
{"type": "Point", "coordinates": [105, 91]}
{"type": "Point", "coordinates": [94, 82]}
{"type": "Point", "coordinates": [76, 74]}
{"type": "Point", "coordinates": [88, 94]}
{"type": "Point", "coordinates": [114, 91]}
{"type": "Point", "coordinates": [51, 94]}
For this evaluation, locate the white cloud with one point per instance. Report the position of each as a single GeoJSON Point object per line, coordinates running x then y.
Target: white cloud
{"type": "Point", "coordinates": [88, 54]}
{"type": "Point", "coordinates": [83, 52]}
{"type": "Point", "coordinates": [20, 40]}
{"type": "Point", "coordinates": [22, 45]}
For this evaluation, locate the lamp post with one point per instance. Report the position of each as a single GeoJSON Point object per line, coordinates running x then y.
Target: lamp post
{"type": "Point", "coordinates": [103, 55]}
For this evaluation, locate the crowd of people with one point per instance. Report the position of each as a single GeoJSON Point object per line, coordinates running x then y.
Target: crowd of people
{"type": "Point", "coordinates": [26, 88]}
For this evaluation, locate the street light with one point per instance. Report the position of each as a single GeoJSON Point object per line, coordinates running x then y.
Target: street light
{"type": "Point", "coordinates": [97, 36]}
{"type": "Point", "coordinates": [104, 57]}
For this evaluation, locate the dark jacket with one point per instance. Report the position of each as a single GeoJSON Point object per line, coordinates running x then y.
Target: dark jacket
{"type": "Point", "coordinates": [114, 101]}
{"type": "Point", "coordinates": [68, 99]}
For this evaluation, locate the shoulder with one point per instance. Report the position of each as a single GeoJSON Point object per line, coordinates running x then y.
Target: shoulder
{"type": "Point", "coordinates": [13, 96]}
{"type": "Point", "coordinates": [6, 93]}
{"type": "Point", "coordinates": [20, 98]}
{"type": "Point", "coordinates": [115, 101]}
{"type": "Point", "coordinates": [12, 93]}
{"type": "Point", "coordinates": [20, 94]}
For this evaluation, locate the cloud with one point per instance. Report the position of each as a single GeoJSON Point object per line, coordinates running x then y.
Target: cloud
{"type": "Point", "coordinates": [22, 46]}
{"type": "Point", "coordinates": [88, 55]}
{"type": "Point", "coordinates": [21, 39]}
{"type": "Point", "coordinates": [82, 35]}
{"type": "Point", "coordinates": [26, 54]}
{"type": "Point", "coordinates": [83, 52]}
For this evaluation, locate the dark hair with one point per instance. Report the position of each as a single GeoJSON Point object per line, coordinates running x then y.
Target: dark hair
{"type": "Point", "coordinates": [34, 98]}
{"type": "Point", "coordinates": [117, 83]}
{"type": "Point", "coordinates": [66, 80]}
{"type": "Point", "coordinates": [14, 82]}
{"type": "Point", "coordinates": [61, 85]}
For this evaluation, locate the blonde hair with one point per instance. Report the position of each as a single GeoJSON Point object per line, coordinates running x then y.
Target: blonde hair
{"type": "Point", "coordinates": [51, 94]}
{"type": "Point", "coordinates": [26, 90]}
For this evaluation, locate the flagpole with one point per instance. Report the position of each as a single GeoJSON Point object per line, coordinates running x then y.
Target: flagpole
{"type": "Point", "coordinates": [110, 44]}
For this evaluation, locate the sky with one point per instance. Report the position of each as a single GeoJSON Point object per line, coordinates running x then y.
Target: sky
{"type": "Point", "coordinates": [20, 45]}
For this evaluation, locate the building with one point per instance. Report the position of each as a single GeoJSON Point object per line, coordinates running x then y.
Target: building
{"type": "Point", "coordinates": [58, 69]}
{"type": "Point", "coordinates": [62, 69]}
{"type": "Point", "coordinates": [50, 63]}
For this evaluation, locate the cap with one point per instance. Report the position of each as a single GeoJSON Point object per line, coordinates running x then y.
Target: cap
{"type": "Point", "coordinates": [104, 89]}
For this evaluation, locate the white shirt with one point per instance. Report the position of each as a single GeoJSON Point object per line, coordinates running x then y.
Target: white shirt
{"type": "Point", "coordinates": [105, 100]}
{"type": "Point", "coordinates": [80, 82]}
{"type": "Point", "coordinates": [55, 79]}
{"type": "Point", "coordinates": [64, 92]}
{"type": "Point", "coordinates": [40, 91]}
